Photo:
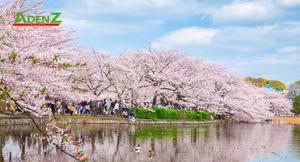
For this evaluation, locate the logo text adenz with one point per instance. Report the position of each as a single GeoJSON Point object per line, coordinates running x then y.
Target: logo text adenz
{"type": "Point", "coordinates": [37, 20]}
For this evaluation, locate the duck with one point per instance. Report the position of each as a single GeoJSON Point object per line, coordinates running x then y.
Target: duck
{"type": "Point", "coordinates": [151, 153]}
{"type": "Point", "coordinates": [137, 148]}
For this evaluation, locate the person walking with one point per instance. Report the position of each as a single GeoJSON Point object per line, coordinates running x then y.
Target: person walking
{"type": "Point", "coordinates": [85, 109]}
{"type": "Point", "coordinates": [101, 105]}
{"type": "Point", "coordinates": [64, 107]}
{"type": "Point", "coordinates": [108, 107]}
{"type": "Point", "coordinates": [117, 108]}
{"type": "Point", "coordinates": [72, 109]}
{"type": "Point", "coordinates": [112, 106]}
{"type": "Point", "coordinates": [88, 108]}
{"type": "Point", "coordinates": [58, 107]}
{"type": "Point", "coordinates": [78, 108]}
{"type": "Point", "coordinates": [52, 106]}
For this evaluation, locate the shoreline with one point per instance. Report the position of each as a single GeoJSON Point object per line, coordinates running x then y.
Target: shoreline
{"type": "Point", "coordinates": [23, 120]}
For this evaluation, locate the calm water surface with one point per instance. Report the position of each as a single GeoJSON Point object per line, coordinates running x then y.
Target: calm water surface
{"type": "Point", "coordinates": [221, 142]}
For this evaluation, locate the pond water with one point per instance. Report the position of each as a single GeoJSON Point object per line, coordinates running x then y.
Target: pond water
{"type": "Point", "coordinates": [217, 142]}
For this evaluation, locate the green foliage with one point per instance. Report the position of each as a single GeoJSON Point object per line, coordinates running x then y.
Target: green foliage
{"type": "Point", "coordinates": [4, 93]}
{"type": "Point", "coordinates": [66, 137]}
{"type": "Point", "coordinates": [143, 113]}
{"type": "Point", "coordinates": [167, 113]}
{"type": "Point", "coordinates": [13, 56]}
{"type": "Point", "coordinates": [170, 113]}
{"type": "Point", "coordinates": [66, 65]}
{"type": "Point", "coordinates": [203, 115]}
{"type": "Point", "coordinates": [277, 84]}
{"type": "Point", "coordinates": [56, 58]}
{"type": "Point", "coordinates": [296, 105]}
{"type": "Point", "coordinates": [259, 82]}
{"type": "Point", "coordinates": [187, 114]}
{"type": "Point", "coordinates": [190, 114]}
{"type": "Point", "coordinates": [44, 90]}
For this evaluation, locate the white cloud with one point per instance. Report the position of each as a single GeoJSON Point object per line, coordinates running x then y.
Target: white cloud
{"type": "Point", "coordinates": [188, 36]}
{"type": "Point", "coordinates": [280, 66]}
{"type": "Point", "coordinates": [289, 2]}
{"type": "Point", "coordinates": [270, 40]}
{"type": "Point", "coordinates": [258, 50]}
{"type": "Point", "coordinates": [251, 40]}
{"type": "Point", "coordinates": [244, 10]}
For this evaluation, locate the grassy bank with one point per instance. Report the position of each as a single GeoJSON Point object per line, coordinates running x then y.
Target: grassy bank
{"type": "Point", "coordinates": [170, 113]}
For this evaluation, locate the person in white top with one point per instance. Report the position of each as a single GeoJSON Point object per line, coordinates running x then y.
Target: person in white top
{"type": "Point", "coordinates": [117, 108]}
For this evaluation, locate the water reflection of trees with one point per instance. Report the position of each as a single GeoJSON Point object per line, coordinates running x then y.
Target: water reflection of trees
{"type": "Point", "coordinates": [215, 142]}
{"type": "Point", "coordinates": [1, 146]}
{"type": "Point", "coordinates": [296, 141]}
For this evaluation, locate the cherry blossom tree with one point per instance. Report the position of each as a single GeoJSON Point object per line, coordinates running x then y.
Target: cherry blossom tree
{"type": "Point", "coordinates": [35, 63]}
{"type": "Point", "coordinates": [41, 62]}
{"type": "Point", "coordinates": [154, 72]}
{"type": "Point", "coordinates": [92, 79]}
{"type": "Point", "coordinates": [277, 102]}
{"type": "Point", "coordinates": [178, 79]}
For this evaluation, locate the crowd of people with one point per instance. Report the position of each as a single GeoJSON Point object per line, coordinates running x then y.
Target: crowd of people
{"type": "Point", "coordinates": [100, 107]}
{"type": "Point", "coordinates": [104, 107]}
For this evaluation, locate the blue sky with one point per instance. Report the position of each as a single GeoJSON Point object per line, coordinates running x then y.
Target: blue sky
{"type": "Point", "coordinates": [251, 38]}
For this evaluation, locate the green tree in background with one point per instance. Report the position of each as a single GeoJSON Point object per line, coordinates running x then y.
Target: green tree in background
{"type": "Point", "coordinates": [277, 84]}
{"type": "Point", "coordinates": [260, 82]}
{"type": "Point", "coordinates": [296, 105]}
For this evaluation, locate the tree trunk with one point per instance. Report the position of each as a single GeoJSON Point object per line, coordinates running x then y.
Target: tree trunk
{"type": "Point", "coordinates": [118, 144]}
